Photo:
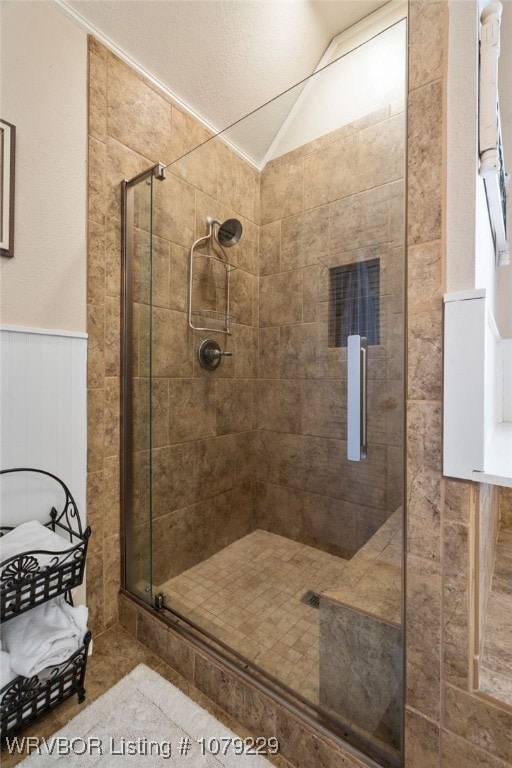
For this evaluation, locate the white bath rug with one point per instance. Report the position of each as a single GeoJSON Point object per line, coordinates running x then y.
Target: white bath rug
{"type": "Point", "coordinates": [144, 720]}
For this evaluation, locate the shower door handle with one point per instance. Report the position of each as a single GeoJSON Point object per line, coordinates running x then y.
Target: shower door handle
{"type": "Point", "coordinates": [356, 397]}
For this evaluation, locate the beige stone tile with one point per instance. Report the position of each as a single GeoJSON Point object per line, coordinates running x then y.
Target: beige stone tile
{"type": "Point", "coordinates": [236, 699]}
{"type": "Point", "coordinates": [173, 480]}
{"type": "Point", "coordinates": [425, 173]}
{"type": "Point", "coordinates": [246, 457]}
{"type": "Point", "coordinates": [244, 297]}
{"type": "Point", "coordinates": [331, 173]}
{"type": "Point", "coordinates": [122, 163]}
{"type": "Point", "coordinates": [268, 353]}
{"type": "Point", "coordinates": [305, 238]}
{"type": "Point", "coordinates": [423, 614]}
{"type": "Point", "coordinates": [97, 80]}
{"type": "Point", "coordinates": [234, 405]}
{"type": "Point", "coordinates": [428, 23]}
{"type": "Point", "coordinates": [505, 506]}
{"type": "Point", "coordinates": [95, 511]}
{"type": "Point", "coordinates": [129, 95]}
{"type": "Point", "coordinates": [178, 277]}
{"type": "Point", "coordinates": [112, 257]}
{"type": "Point", "coordinates": [171, 348]}
{"type": "Point", "coordinates": [421, 741]}
{"type": "Point", "coordinates": [192, 409]}
{"type": "Point", "coordinates": [238, 183]}
{"type": "Point", "coordinates": [457, 501]}
{"type": "Point", "coordinates": [95, 429]}
{"type": "Point", "coordinates": [187, 134]}
{"type": "Point", "coordinates": [246, 351]}
{"type": "Point", "coordinates": [298, 351]}
{"type": "Point", "coordinates": [95, 600]}
{"type": "Point", "coordinates": [270, 248]}
{"type": "Point", "coordinates": [397, 214]}
{"type": "Point", "coordinates": [215, 465]}
{"type": "Point", "coordinates": [381, 153]}
{"type": "Point", "coordinates": [128, 615]}
{"type": "Point", "coordinates": [280, 510]}
{"type": "Point", "coordinates": [425, 355]}
{"type": "Point", "coordinates": [112, 579]}
{"type": "Point", "coordinates": [199, 168]}
{"type": "Point", "coordinates": [112, 417]}
{"type": "Point", "coordinates": [479, 722]}
{"type": "Point", "coordinates": [361, 220]}
{"type": "Point", "coordinates": [369, 520]}
{"type": "Point", "coordinates": [395, 476]}
{"type": "Point", "coordinates": [303, 748]}
{"type": "Point", "coordinates": [111, 503]}
{"type": "Point", "coordinates": [247, 249]}
{"type": "Point", "coordinates": [280, 298]}
{"type": "Point", "coordinates": [425, 305]}
{"type": "Point", "coordinates": [456, 578]}
{"type": "Point", "coordinates": [459, 753]}
{"type": "Point", "coordinates": [378, 116]}
{"type": "Point", "coordinates": [424, 470]}
{"type": "Point", "coordinates": [330, 524]}
{"type": "Point", "coordinates": [160, 419]}
{"type": "Point", "coordinates": [279, 406]}
{"type": "Point", "coordinates": [310, 278]}
{"type": "Point", "coordinates": [367, 694]}
{"type": "Point", "coordinates": [282, 191]}
{"type": "Point", "coordinates": [112, 336]}
{"type": "Point", "coordinates": [96, 180]}
{"type": "Point", "coordinates": [95, 263]}
{"type": "Point", "coordinates": [324, 409]}
{"type": "Point", "coordinates": [95, 346]}
{"type": "Point", "coordinates": [174, 211]}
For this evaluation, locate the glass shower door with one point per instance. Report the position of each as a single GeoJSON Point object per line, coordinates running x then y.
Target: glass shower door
{"type": "Point", "coordinates": [267, 488]}
{"type": "Point", "coordinates": [137, 382]}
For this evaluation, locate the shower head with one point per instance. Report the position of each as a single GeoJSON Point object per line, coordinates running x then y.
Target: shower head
{"type": "Point", "coordinates": [228, 232]}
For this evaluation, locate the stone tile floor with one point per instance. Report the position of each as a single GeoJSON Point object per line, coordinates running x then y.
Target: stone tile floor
{"type": "Point", "coordinates": [115, 654]}
{"type": "Point", "coordinates": [248, 595]}
{"type": "Point", "coordinates": [496, 666]}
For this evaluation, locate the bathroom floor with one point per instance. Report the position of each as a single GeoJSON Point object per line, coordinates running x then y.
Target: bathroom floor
{"type": "Point", "coordinates": [115, 654]}
{"type": "Point", "coordinates": [248, 595]}
{"type": "Point", "coordinates": [496, 667]}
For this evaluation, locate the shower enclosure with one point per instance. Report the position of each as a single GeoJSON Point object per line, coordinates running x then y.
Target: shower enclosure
{"type": "Point", "coordinates": [263, 392]}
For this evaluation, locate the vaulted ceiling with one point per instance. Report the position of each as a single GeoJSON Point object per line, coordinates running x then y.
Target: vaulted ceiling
{"type": "Point", "coordinates": [223, 58]}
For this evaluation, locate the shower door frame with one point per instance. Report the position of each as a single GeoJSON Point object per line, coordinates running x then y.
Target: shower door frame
{"type": "Point", "coordinates": [244, 669]}
{"type": "Point", "coordinates": [156, 171]}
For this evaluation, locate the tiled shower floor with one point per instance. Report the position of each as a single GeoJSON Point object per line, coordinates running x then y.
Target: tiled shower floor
{"type": "Point", "coordinates": [248, 596]}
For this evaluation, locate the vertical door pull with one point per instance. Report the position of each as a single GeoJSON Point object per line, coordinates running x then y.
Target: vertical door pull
{"type": "Point", "coordinates": [356, 397]}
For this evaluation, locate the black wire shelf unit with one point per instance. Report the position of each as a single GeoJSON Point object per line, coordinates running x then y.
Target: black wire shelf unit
{"type": "Point", "coordinates": [27, 580]}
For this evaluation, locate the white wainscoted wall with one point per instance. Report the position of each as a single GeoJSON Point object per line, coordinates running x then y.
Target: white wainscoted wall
{"type": "Point", "coordinates": [43, 420]}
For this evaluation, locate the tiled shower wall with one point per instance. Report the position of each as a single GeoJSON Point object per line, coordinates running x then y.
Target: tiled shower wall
{"type": "Point", "coordinates": [119, 148]}
{"type": "Point", "coordinates": [447, 726]}
{"type": "Point", "coordinates": [335, 201]}
{"type": "Point", "coordinates": [203, 468]}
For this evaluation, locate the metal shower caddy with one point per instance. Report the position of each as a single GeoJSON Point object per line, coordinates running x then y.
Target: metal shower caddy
{"type": "Point", "coordinates": [219, 234]}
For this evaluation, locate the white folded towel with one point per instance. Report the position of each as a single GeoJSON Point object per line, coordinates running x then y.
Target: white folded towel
{"type": "Point", "coordinates": [6, 672]}
{"type": "Point", "coordinates": [32, 536]}
{"type": "Point", "coordinates": [45, 636]}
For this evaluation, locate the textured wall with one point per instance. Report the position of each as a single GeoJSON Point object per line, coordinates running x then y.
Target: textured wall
{"type": "Point", "coordinates": [336, 201]}
{"type": "Point", "coordinates": [44, 94]}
